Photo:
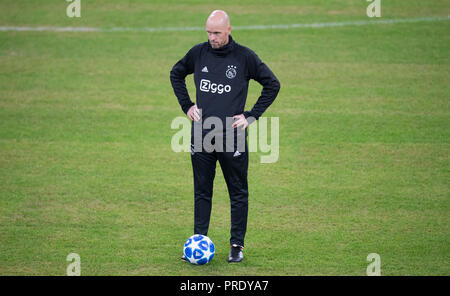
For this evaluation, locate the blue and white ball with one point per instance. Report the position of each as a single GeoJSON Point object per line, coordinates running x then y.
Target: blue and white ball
{"type": "Point", "coordinates": [199, 249]}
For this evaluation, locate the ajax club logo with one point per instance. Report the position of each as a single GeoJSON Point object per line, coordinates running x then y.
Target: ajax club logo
{"type": "Point", "coordinates": [231, 72]}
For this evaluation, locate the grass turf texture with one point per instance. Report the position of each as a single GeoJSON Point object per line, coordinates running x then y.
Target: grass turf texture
{"type": "Point", "coordinates": [86, 164]}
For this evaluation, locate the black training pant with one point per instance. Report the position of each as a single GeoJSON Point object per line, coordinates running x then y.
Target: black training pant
{"type": "Point", "coordinates": [234, 168]}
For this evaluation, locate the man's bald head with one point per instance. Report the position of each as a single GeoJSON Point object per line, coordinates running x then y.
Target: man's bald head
{"type": "Point", "coordinates": [219, 17]}
{"type": "Point", "coordinates": [218, 28]}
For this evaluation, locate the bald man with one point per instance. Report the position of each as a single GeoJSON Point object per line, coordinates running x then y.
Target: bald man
{"type": "Point", "coordinates": [222, 70]}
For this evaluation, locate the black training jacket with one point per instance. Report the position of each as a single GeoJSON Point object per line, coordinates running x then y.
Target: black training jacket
{"type": "Point", "coordinates": [221, 79]}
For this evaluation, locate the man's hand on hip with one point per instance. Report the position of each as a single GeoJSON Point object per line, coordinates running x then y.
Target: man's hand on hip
{"type": "Point", "coordinates": [240, 120]}
{"type": "Point", "coordinates": [193, 113]}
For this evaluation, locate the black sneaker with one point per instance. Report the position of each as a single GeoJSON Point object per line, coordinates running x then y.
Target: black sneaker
{"type": "Point", "coordinates": [236, 253]}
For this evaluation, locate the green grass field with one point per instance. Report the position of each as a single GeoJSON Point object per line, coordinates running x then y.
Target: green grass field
{"type": "Point", "coordinates": [86, 164]}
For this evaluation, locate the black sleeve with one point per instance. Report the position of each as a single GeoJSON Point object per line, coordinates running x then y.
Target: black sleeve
{"type": "Point", "coordinates": [180, 70]}
{"type": "Point", "coordinates": [259, 71]}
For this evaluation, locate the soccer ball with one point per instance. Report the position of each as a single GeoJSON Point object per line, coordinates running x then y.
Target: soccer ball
{"type": "Point", "coordinates": [199, 249]}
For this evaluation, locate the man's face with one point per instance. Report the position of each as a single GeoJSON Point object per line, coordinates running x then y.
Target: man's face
{"type": "Point", "coordinates": [217, 34]}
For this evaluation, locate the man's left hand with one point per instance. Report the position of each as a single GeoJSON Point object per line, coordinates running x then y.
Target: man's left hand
{"type": "Point", "coordinates": [240, 120]}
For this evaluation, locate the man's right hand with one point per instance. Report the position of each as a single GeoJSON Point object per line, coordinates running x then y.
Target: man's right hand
{"type": "Point", "coordinates": [193, 113]}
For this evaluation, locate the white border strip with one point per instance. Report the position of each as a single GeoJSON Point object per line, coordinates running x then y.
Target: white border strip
{"type": "Point", "coordinates": [256, 27]}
